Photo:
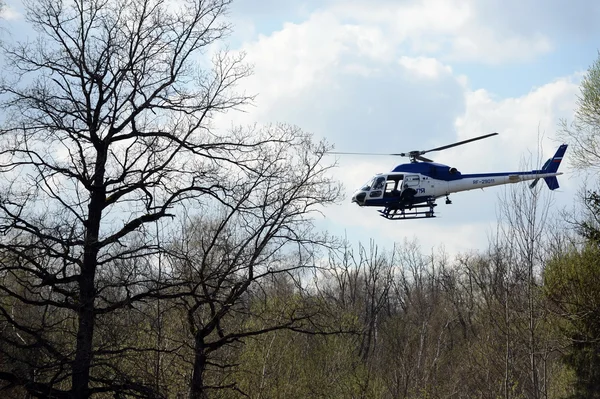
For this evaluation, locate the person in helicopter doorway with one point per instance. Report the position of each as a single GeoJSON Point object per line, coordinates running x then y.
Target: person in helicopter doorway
{"type": "Point", "coordinates": [406, 197]}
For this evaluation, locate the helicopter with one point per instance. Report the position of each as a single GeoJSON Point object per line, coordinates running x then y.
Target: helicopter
{"type": "Point", "coordinates": [410, 191]}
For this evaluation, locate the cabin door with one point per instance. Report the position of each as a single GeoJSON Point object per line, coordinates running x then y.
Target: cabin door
{"type": "Point", "coordinates": [378, 188]}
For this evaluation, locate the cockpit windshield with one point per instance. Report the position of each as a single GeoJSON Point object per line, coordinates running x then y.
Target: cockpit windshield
{"type": "Point", "coordinates": [375, 183]}
{"type": "Point", "coordinates": [367, 186]}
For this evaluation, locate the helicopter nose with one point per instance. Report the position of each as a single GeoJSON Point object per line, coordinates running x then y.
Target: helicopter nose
{"type": "Point", "coordinates": [359, 197]}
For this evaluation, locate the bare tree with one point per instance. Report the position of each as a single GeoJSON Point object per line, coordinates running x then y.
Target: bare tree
{"type": "Point", "coordinates": [360, 281]}
{"type": "Point", "coordinates": [524, 230]}
{"type": "Point", "coordinates": [261, 230]}
{"type": "Point", "coordinates": [107, 130]}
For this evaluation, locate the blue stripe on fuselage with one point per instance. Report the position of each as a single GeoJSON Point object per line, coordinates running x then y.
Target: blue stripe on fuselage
{"type": "Point", "coordinates": [442, 172]}
{"type": "Point", "coordinates": [499, 174]}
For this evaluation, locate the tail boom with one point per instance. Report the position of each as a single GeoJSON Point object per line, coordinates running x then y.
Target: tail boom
{"type": "Point", "coordinates": [474, 181]}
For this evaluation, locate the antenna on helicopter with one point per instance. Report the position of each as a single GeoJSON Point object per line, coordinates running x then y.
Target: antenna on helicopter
{"type": "Point", "coordinates": [417, 155]}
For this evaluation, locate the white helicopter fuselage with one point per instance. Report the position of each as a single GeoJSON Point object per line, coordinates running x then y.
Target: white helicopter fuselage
{"type": "Point", "coordinates": [383, 187]}
{"type": "Point", "coordinates": [417, 183]}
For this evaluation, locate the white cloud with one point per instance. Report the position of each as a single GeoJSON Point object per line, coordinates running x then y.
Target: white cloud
{"type": "Point", "coordinates": [451, 29]}
{"type": "Point", "coordinates": [522, 122]}
{"type": "Point", "coordinates": [344, 82]}
{"type": "Point", "coordinates": [481, 44]}
{"type": "Point", "coordinates": [298, 55]}
{"type": "Point", "coordinates": [408, 19]}
{"type": "Point", "coordinates": [10, 13]}
{"type": "Point", "coordinates": [425, 67]}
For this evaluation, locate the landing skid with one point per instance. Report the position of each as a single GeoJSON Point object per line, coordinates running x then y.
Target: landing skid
{"type": "Point", "coordinates": [422, 211]}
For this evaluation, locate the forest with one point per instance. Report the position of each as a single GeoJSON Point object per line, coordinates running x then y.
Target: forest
{"type": "Point", "coordinates": [145, 253]}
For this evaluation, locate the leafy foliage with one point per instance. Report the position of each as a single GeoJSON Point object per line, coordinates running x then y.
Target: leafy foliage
{"type": "Point", "coordinates": [571, 283]}
{"type": "Point", "coordinates": [589, 227]}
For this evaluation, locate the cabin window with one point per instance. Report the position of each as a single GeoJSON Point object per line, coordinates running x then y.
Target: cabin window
{"type": "Point", "coordinates": [411, 181]}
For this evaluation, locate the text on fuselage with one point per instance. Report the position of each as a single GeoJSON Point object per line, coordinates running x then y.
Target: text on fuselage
{"type": "Point", "coordinates": [484, 181]}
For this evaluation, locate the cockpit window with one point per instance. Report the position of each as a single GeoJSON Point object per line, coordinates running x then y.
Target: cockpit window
{"type": "Point", "coordinates": [376, 183]}
{"type": "Point", "coordinates": [379, 182]}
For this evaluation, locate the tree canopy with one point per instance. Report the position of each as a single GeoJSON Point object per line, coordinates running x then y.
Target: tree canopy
{"type": "Point", "coordinates": [108, 131]}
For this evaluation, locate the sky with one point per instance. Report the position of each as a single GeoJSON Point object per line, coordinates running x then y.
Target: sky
{"type": "Point", "coordinates": [394, 76]}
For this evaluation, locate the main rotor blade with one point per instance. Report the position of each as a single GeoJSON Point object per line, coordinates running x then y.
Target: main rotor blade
{"type": "Point", "coordinates": [415, 154]}
{"type": "Point", "coordinates": [365, 153]}
{"type": "Point", "coordinates": [459, 143]}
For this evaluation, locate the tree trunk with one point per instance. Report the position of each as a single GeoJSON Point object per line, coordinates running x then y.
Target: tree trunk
{"type": "Point", "coordinates": [197, 390]}
{"type": "Point", "coordinates": [533, 345]}
{"type": "Point", "coordinates": [507, 356]}
{"type": "Point", "coordinates": [85, 332]}
{"type": "Point", "coordinates": [87, 291]}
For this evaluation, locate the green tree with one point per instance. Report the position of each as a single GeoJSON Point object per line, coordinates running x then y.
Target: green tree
{"type": "Point", "coordinates": [589, 227]}
{"type": "Point", "coordinates": [582, 133]}
{"type": "Point", "coordinates": [583, 136]}
{"type": "Point", "coordinates": [571, 284]}
{"type": "Point", "coordinates": [571, 279]}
